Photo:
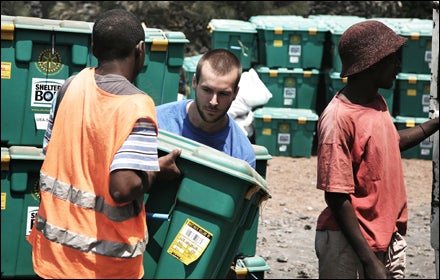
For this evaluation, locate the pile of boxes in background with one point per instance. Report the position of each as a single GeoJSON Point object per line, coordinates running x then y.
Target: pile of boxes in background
{"type": "Point", "coordinates": [297, 60]}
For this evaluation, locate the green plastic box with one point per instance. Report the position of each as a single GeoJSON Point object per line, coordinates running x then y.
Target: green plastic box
{"type": "Point", "coordinates": [336, 83]}
{"type": "Point", "coordinates": [289, 41]}
{"type": "Point", "coordinates": [420, 151]}
{"type": "Point", "coordinates": [160, 75]}
{"type": "Point", "coordinates": [19, 205]}
{"type": "Point", "coordinates": [260, 20]}
{"type": "Point", "coordinates": [417, 51]}
{"type": "Point", "coordinates": [238, 36]}
{"type": "Point", "coordinates": [189, 69]}
{"type": "Point", "coordinates": [219, 194]}
{"type": "Point", "coordinates": [413, 94]}
{"type": "Point", "coordinates": [290, 88]}
{"type": "Point", "coordinates": [37, 56]}
{"type": "Point", "coordinates": [285, 131]}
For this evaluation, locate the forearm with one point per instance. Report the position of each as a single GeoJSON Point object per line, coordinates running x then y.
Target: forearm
{"type": "Point", "coordinates": [412, 136]}
{"type": "Point", "coordinates": [343, 210]}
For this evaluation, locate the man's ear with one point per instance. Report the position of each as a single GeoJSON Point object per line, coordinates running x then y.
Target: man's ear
{"type": "Point", "coordinates": [194, 81]}
{"type": "Point", "coordinates": [140, 47]}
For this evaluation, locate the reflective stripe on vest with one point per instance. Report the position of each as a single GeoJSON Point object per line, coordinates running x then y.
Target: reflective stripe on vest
{"type": "Point", "coordinates": [87, 244]}
{"type": "Point", "coordinates": [89, 200]}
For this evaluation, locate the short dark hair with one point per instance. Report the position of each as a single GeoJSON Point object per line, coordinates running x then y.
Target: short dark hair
{"type": "Point", "coordinates": [115, 34]}
{"type": "Point", "coordinates": [222, 61]}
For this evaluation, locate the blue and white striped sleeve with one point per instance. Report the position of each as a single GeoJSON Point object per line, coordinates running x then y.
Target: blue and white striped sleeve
{"type": "Point", "coordinates": [48, 132]}
{"type": "Point", "coordinates": [139, 151]}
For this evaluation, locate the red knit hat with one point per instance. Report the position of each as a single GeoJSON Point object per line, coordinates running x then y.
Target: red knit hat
{"type": "Point", "coordinates": [366, 43]}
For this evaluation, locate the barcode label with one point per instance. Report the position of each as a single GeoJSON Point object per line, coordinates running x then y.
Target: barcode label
{"type": "Point", "coordinates": [190, 242]}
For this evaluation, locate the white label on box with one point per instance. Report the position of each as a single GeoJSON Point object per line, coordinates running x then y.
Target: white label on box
{"type": "Point", "coordinates": [428, 56]}
{"type": "Point", "coordinates": [288, 102]}
{"type": "Point", "coordinates": [425, 99]}
{"type": "Point", "coordinates": [289, 92]}
{"type": "Point", "coordinates": [44, 91]}
{"type": "Point", "coordinates": [294, 50]}
{"type": "Point", "coordinates": [41, 121]}
{"type": "Point", "coordinates": [31, 218]}
{"type": "Point", "coordinates": [426, 144]}
{"type": "Point", "coordinates": [294, 59]}
{"type": "Point", "coordinates": [425, 152]}
{"type": "Point", "coordinates": [283, 138]}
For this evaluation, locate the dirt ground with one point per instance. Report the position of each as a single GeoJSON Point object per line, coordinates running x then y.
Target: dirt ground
{"type": "Point", "coordinates": [287, 223]}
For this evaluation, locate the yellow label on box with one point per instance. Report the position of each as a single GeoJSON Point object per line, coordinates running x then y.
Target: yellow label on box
{"type": "Point", "coordinates": [411, 92]}
{"type": "Point", "coordinates": [3, 201]}
{"type": "Point", "coordinates": [190, 242]}
{"type": "Point", "coordinates": [266, 131]}
{"type": "Point", "coordinates": [278, 43]}
{"type": "Point", "coordinates": [6, 70]}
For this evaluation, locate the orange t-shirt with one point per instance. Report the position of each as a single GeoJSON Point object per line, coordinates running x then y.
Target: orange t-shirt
{"type": "Point", "coordinates": [359, 155]}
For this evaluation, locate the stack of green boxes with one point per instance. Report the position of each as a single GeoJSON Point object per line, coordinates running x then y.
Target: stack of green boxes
{"type": "Point", "coordinates": [413, 84]}
{"type": "Point", "coordinates": [290, 55]}
{"type": "Point", "coordinates": [38, 55]}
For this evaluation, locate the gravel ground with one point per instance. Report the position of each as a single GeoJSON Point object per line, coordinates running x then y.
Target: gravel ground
{"type": "Point", "coordinates": [287, 223]}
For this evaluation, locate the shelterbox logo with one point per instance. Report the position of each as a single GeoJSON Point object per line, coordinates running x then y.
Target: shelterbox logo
{"type": "Point", "coordinates": [44, 91]}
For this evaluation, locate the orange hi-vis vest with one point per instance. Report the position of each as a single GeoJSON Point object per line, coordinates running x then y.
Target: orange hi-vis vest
{"type": "Point", "coordinates": [80, 231]}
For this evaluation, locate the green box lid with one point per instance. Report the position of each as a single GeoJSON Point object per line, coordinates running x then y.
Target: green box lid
{"type": "Point", "coordinates": [416, 27]}
{"type": "Point", "coordinates": [286, 113]}
{"type": "Point", "coordinates": [260, 20]}
{"type": "Point", "coordinates": [261, 152]}
{"type": "Point", "coordinates": [72, 26]}
{"type": "Point", "coordinates": [283, 70]}
{"type": "Point", "coordinates": [409, 121]}
{"type": "Point", "coordinates": [413, 77]}
{"type": "Point", "coordinates": [26, 153]}
{"type": "Point", "coordinates": [231, 25]}
{"type": "Point", "coordinates": [288, 23]}
{"type": "Point", "coordinates": [204, 155]}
